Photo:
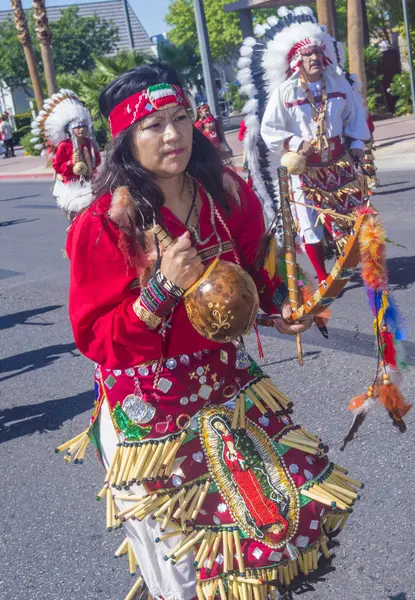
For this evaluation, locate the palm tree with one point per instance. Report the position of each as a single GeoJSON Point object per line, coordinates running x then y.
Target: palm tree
{"type": "Point", "coordinates": [325, 14]}
{"type": "Point", "coordinates": [23, 34]}
{"type": "Point", "coordinates": [185, 59]}
{"type": "Point", "coordinates": [355, 41]}
{"type": "Point", "coordinates": [44, 37]}
{"type": "Point", "coordinates": [89, 84]}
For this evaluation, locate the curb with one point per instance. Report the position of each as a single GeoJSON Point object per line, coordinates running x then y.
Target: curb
{"type": "Point", "coordinates": [27, 176]}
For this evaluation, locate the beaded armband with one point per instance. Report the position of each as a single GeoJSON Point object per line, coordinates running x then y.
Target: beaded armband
{"type": "Point", "coordinates": [157, 300]}
{"type": "Point", "coordinates": [280, 294]}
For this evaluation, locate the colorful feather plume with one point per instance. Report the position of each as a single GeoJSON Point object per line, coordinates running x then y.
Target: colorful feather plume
{"type": "Point", "coordinates": [372, 241]}
{"type": "Point", "coordinates": [387, 328]}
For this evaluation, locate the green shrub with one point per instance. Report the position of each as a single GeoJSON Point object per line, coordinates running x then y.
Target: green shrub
{"type": "Point", "coordinates": [235, 99]}
{"type": "Point", "coordinates": [28, 146]}
{"type": "Point", "coordinates": [18, 134]}
{"type": "Point", "coordinates": [401, 89]}
{"type": "Point", "coordinates": [374, 91]}
{"type": "Point", "coordinates": [23, 120]}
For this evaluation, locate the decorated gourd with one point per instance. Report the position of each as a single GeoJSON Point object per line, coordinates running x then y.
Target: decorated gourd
{"type": "Point", "coordinates": [223, 303]}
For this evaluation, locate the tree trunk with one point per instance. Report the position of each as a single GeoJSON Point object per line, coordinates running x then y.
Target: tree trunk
{"type": "Point", "coordinates": [44, 37]}
{"type": "Point", "coordinates": [25, 39]}
{"type": "Point", "coordinates": [325, 15]}
{"type": "Point", "coordinates": [355, 41]}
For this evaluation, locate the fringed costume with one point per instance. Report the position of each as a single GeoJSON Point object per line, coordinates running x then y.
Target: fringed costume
{"type": "Point", "coordinates": [329, 192]}
{"type": "Point", "coordinates": [221, 495]}
{"type": "Point", "coordinates": [74, 162]}
{"type": "Point", "coordinates": [284, 111]}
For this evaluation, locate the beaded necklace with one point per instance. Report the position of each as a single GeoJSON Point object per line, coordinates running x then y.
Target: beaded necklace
{"type": "Point", "coordinates": [319, 113]}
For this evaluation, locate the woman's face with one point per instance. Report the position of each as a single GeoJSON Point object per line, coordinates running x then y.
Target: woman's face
{"type": "Point", "coordinates": [163, 141]}
{"type": "Point", "coordinates": [219, 426]}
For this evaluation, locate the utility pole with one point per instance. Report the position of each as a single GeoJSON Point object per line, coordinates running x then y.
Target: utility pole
{"type": "Point", "coordinates": [355, 41]}
{"type": "Point", "coordinates": [23, 34]}
{"type": "Point", "coordinates": [212, 96]}
{"type": "Point", "coordinates": [410, 57]}
{"type": "Point", "coordinates": [325, 15]}
{"type": "Point", "coordinates": [44, 37]}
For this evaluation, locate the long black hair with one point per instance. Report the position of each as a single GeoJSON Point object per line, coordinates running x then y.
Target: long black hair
{"type": "Point", "coordinates": [123, 169]}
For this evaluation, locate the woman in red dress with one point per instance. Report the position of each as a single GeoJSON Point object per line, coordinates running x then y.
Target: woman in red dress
{"type": "Point", "coordinates": [159, 383]}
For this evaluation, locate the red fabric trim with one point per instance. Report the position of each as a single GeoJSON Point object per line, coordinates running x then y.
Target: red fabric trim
{"type": "Point", "coordinates": [303, 101]}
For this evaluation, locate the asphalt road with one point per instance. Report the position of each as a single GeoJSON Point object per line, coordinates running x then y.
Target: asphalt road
{"type": "Point", "coordinates": [53, 541]}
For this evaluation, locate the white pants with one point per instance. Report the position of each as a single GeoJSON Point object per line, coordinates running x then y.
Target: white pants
{"type": "Point", "coordinates": [311, 232]}
{"type": "Point", "coordinates": [171, 582]}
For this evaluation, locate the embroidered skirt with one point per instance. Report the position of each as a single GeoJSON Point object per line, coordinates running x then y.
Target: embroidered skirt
{"type": "Point", "coordinates": [330, 182]}
{"type": "Point", "coordinates": [219, 491]}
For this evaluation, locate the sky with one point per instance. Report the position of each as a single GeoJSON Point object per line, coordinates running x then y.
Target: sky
{"type": "Point", "coordinates": [150, 12]}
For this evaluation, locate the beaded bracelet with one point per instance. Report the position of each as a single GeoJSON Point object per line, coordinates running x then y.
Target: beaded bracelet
{"type": "Point", "coordinates": [158, 298]}
{"type": "Point", "coordinates": [171, 288]}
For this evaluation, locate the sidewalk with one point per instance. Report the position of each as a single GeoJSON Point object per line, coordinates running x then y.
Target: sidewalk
{"type": "Point", "coordinates": [394, 140]}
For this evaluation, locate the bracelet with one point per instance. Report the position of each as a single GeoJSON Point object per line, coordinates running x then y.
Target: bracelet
{"type": "Point", "coordinates": [149, 318]}
{"type": "Point", "coordinates": [171, 288]}
{"type": "Point", "coordinates": [157, 299]}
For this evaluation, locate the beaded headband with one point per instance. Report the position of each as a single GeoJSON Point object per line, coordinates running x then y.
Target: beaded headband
{"type": "Point", "coordinates": [303, 47]}
{"type": "Point", "coordinates": [144, 103]}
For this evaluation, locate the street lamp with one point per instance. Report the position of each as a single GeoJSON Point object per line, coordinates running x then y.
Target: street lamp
{"type": "Point", "coordinates": [206, 57]}
{"type": "Point", "coordinates": [410, 57]}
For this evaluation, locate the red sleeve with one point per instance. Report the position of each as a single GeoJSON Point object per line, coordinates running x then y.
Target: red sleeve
{"type": "Point", "coordinates": [62, 161]}
{"type": "Point", "coordinates": [97, 158]}
{"type": "Point", "coordinates": [105, 327]}
{"type": "Point", "coordinates": [198, 125]}
{"type": "Point", "coordinates": [248, 232]}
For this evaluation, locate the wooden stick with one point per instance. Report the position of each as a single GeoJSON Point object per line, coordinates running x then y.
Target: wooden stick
{"type": "Point", "coordinates": [134, 589]}
{"type": "Point", "coordinates": [289, 245]}
{"type": "Point", "coordinates": [225, 551]}
{"type": "Point", "coordinates": [255, 400]}
{"type": "Point", "coordinates": [71, 442]}
{"type": "Point", "coordinates": [201, 499]}
{"type": "Point", "coordinates": [132, 563]}
{"type": "Point", "coordinates": [235, 417]}
{"type": "Point", "coordinates": [239, 554]}
{"type": "Point", "coordinates": [122, 548]}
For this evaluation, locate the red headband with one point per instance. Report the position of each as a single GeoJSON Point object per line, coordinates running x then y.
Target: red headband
{"type": "Point", "coordinates": [144, 103]}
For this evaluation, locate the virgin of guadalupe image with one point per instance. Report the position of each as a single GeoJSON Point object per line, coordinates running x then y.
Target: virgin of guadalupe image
{"type": "Point", "coordinates": [266, 506]}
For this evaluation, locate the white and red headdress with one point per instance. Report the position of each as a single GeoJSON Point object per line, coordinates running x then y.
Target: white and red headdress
{"type": "Point", "coordinates": [61, 113]}
{"type": "Point", "coordinates": [266, 62]}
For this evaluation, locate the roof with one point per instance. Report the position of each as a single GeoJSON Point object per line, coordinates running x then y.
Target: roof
{"type": "Point", "coordinates": [112, 10]}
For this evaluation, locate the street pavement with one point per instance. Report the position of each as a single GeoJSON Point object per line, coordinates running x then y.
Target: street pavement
{"type": "Point", "coordinates": [53, 541]}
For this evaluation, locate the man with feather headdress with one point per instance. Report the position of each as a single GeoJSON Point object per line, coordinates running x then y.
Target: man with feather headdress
{"type": "Point", "coordinates": [304, 106]}
{"type": "Point", "coordinates": [64, 129]}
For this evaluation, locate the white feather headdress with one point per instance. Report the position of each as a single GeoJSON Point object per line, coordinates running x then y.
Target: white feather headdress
{"type": "Point", "coordinates": [266, 62]}
{"type": "Point", "coordinates": [61, 112]}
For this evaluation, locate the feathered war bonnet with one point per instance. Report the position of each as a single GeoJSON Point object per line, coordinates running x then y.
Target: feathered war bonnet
{"type": "Point", "coordinates": [265, 62]}
{"type": "Point", "coordinates": [61, 113]}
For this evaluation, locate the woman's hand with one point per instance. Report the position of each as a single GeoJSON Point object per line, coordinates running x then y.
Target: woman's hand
{"type": "Point", "coordinates": [285, 324]}
{"type": "Point", "coordinates": [181, 263]}
{"type": "Point", "coordinates": [286, 311]}
{"type": "Point", "coordinates": [292, 328]}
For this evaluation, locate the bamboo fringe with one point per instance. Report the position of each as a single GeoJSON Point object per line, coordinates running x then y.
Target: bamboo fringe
{"type": "Point", "coordinates": [336, 490]}
{"type": "Point", "coordinates": [75, 448]}
{"type": "Point", "coordinates": [182, 506]}
{"type": "Point", "coordinates": [265, 396]}
{"type": "Point", "coordinates": [300, 439]}
{"type": "Point", "coordinates": [135, 589]}
{"type": "Point", "coordinates": [260, 584]}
